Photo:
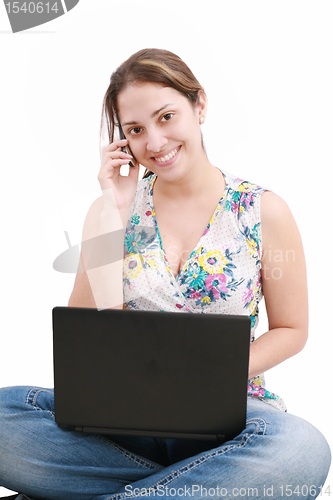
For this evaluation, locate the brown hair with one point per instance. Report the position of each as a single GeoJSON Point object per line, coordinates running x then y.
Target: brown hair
{"type": "Point", "coordinates": [148, 65]}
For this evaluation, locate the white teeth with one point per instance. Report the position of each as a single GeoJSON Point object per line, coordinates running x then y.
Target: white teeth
{"type": "Point", "coordinates": [168, 157]}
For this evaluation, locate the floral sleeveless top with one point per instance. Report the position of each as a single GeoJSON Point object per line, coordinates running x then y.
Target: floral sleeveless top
{"type": "Point", "coordinates": [222, 274]}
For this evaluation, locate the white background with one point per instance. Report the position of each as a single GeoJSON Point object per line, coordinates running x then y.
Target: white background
{"type": "Point", "coordinates": [267, 70]}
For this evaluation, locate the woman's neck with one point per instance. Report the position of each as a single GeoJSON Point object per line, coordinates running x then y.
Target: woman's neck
{"type": "Point", "coordinates": [195, 184]}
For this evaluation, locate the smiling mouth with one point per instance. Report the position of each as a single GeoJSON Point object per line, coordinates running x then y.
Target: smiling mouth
{"type": "Point", "coordinates": [167, 157]}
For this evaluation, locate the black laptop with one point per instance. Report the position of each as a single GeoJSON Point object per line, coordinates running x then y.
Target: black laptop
{"type": "Point", "coordinates": [158, 374]}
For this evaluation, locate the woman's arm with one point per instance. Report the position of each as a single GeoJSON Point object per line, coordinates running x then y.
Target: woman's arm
{"type": "Point", "coordinates": [99, 281]}
{"type": "Point", "coordinates": [284, 285]}
{"type": "Point", "coordinates": [82, 295]}
{"type": "Point", "coordinates": [100, 285]}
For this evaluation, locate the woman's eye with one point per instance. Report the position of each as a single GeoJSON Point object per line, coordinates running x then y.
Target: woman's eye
{"type": "Point", "coordinates": [135, 130]}
{"type": "Point", "coordinates": [167, 117]}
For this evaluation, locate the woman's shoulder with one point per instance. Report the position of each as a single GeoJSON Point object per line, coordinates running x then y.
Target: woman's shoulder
{"type": "Point", "coordinates": [144, 188]}
{"type": "Point", "coordinates": [275, 211]}
{"type": "Point", "coordinates": [142, 203]}
{"type": "Point", "coordinates": [273, 208]}
{"type": "Point", "coordinates": [146, 184]}
{"type": "Point", "coordinates": [243, 197]}
{"type": "Point", "coordinates": [241, 185]}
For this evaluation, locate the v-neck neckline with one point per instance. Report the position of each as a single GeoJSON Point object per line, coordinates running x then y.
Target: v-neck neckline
{"type": "Point", "coordinates": [198, 245]}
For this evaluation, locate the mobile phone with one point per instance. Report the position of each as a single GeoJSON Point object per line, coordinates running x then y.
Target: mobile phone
{"type": "Point", "coordinates": [125, 149]}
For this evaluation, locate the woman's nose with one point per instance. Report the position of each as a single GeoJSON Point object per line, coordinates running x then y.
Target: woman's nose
{"type": "Point", "coordinates": [156, 141]}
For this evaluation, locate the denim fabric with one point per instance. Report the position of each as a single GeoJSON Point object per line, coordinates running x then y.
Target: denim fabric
{"type": "Point", "coordinates": [276, 454]}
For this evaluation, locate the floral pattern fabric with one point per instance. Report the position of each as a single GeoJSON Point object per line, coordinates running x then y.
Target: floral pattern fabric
{"type": "Point", "coordinates": [222, 274]}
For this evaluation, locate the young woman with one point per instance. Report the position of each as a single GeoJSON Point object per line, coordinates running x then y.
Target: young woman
{"type": "Point", "coordinates": [197, 240]}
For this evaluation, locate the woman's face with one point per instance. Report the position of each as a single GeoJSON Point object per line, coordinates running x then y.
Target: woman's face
{"type": "Point", "coordinates": [162, 128]}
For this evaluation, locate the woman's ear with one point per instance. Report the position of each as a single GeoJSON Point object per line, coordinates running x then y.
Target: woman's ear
{"type": "Point", "coordinates": [201, 105]}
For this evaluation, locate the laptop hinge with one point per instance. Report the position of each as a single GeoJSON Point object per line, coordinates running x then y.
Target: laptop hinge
{"type": "Point", "coordinates": [159, 434]}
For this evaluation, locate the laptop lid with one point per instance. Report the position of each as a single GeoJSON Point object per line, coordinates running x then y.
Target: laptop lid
{"type": "Point", "coordinates": [158, 374]}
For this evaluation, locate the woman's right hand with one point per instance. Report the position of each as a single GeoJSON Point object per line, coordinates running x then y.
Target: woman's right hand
{"type": "Point", "coordinates": [123, 186]}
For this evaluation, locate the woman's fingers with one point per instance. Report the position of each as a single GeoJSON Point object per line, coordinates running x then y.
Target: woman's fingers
{"type": "Point", "coordinates": [115, 145]}
{"type": "Point", "coordinates": [109, 175]}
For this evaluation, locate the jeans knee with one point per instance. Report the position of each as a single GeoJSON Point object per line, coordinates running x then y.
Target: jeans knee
{"type": "Point", "coordinates": [19, 398]}
{"type": "Point", "coordinates": [308, 453]}
{"type": "Point", "coordinates": [8, 400]}
{"type": "Point", "coordinates": [12, 405]}
{"type": "Point", "coordinates": [11, 397]}
{"type": "Point", "coordinates": [18, 405]}
{"type": "Point", "coordinates": [319, 453]}
{"type": "Point", "coordinates": [21, 421]}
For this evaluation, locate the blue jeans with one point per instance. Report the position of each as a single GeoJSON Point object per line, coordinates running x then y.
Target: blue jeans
{"type": "Point", "coordinates": [277, 455]}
